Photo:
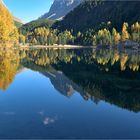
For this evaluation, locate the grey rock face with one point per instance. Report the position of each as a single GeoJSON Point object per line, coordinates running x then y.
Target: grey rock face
{"type": "Point", "coordinates": [60, 8]}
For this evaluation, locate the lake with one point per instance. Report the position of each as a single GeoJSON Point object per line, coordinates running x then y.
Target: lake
{"type": "Point", "coordinates": [81, 93]}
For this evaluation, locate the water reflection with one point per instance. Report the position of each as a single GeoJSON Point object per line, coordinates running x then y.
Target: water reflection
{"type": "Point", "coordinates": [128, 59]}
{"type": "Point", "coordinates": [125, 59]}
{"type": "Point", "coordinates": [9, 63]}
{"type": "Point", "coordinates": [111, 75]}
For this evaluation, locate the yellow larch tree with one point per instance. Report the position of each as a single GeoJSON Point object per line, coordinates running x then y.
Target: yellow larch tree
{"type": "Point", "coordinates": [116, 36]}
{"type": "Point", "coordinates": [8, 31]}
{"type": "Point", "coordinates": [125, 34]}
{"type": "Point", "coordinates": [135, 32]}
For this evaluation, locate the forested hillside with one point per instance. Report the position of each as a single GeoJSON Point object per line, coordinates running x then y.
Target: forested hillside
{"type": "Point", "coordinates": [91, 23]}
{"type": "Point", "coordinates": [36, 24]}
{"type": "Point", "coordinates": [18, 22]}
{"type": "Point", "coordinates": [96, 14]}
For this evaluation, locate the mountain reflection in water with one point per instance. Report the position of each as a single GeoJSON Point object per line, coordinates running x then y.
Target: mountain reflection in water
{"type": "Point", "coordinates": [110, 75]}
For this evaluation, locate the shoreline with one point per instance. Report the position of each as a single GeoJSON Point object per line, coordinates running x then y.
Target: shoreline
{"type": "Point", "coordinates": [57, 46]}
{"type": "Point", "coordinates": [126, 44]}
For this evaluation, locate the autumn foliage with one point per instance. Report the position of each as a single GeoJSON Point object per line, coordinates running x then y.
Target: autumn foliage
{"type": "Point", "coordinates": [8, 31]}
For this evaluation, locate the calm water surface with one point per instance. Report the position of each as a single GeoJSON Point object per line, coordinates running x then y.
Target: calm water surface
{"type": "Point", "coordinates": [69, 94]}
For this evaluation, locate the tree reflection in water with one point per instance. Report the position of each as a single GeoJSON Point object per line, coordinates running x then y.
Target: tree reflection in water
{"type": "Point", "coordinates": [111, 75]}
{"type": "Point", "coordinates": [9, 63]}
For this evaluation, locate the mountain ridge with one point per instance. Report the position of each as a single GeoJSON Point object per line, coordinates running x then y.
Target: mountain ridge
{"type": "Point", "coordinates": [60, 8]}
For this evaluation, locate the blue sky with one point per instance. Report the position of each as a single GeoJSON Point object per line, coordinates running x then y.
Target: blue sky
{"type": "Point", "coordinates": [28, 10]}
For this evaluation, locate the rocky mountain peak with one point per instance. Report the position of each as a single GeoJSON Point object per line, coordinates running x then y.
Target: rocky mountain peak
{"type": "Point", "coordinates": [60, 8]}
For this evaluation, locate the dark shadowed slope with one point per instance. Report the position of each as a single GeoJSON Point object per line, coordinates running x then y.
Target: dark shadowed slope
{"type": "Point", "coordinates": [93, 14]}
